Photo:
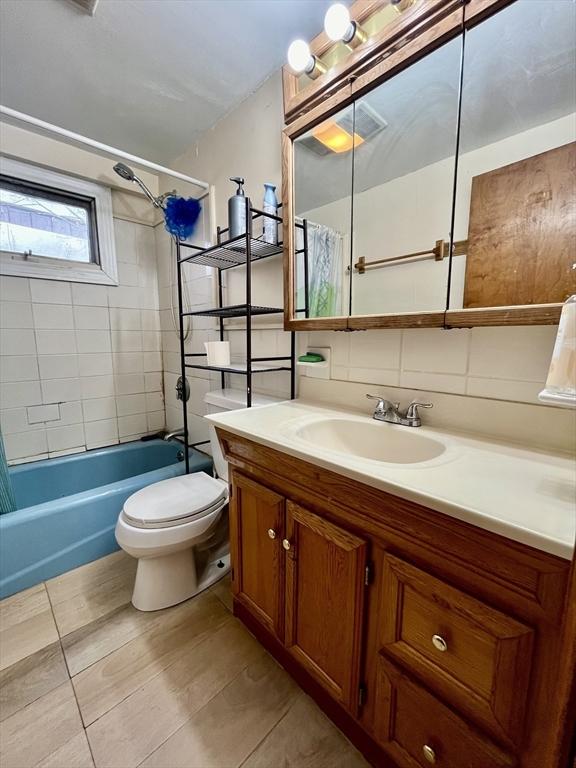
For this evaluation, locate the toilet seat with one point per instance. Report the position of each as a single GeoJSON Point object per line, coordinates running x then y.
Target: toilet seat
{"type": "Point", "coordinates": [175, 501]}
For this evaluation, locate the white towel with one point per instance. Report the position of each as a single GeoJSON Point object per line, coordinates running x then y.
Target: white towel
{"type": "Point", "coordinates": [561, 382]}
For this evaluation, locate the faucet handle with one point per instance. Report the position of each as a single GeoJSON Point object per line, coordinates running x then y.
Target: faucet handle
{"type": "Point", "coordinates": [412, 411]}
{"type": "Point", "coordinates": [381, 400]}
{"type": "Point", "coordinates": [383, 403]}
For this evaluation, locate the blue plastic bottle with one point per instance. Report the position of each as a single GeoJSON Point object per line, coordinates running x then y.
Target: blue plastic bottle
{"type": "Point", "coordinates": [270, 228]}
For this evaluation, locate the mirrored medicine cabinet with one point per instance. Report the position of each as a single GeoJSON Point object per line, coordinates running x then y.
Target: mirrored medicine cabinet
{"type": "Point", "coordinates": [437, 187]}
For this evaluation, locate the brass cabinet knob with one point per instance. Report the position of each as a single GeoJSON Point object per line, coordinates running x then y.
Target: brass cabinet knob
{"type": "Point", "coordinates": [429, 754]}
{"type": "Point", "coordinates": [439, 643]}
{"type": "Point", "coordinates": [286, 544]}
{"type": "Point", "coordinates": [271, 533]}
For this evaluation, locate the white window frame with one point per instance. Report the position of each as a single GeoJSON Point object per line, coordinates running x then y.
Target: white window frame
{"type": "Point", "coordinates": [47, 268]}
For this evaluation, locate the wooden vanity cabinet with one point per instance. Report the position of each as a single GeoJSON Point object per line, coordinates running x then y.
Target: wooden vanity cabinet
{"type": "Point", "coordinates": [303, 579]}
{"type": "Point", "coordinates": [427, 640]}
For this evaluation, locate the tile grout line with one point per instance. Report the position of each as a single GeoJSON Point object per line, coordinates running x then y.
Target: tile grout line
{"type": "Point", "coordinates": [128, 695]}
{"type": "Point", "coordinates": [217, 693]}
{"type": "Point", "coordinates": [69, 675]}
{"type": "Point", "coordinates": [154, 676]}
{"type": "Point", "coordinates": [276, 724]}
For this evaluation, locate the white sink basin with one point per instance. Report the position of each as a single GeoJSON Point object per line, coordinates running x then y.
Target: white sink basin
{"type": "Point", "coordinates": [371, 440]}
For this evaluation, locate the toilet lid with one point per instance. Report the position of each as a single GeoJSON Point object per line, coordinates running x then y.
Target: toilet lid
{"type": "Point", "coordinates": [175, 500]}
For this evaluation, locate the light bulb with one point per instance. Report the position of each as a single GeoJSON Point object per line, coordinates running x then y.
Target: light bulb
{"type": "Point", "coordinates": [299, 55]}
{"type": "Point", "coordinates": [337, 21]}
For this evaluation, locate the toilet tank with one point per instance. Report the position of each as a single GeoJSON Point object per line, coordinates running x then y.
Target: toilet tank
{"type": "Point", "coordinates": [222, 400]}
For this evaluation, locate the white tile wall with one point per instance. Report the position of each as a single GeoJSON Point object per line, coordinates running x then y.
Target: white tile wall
{"type": "Point", "coordinates": [14, 289]}
{"type": "Point", "coordinates": [135, 424]}
{"type": "Point", "coordinates": [32, 445]}
{"type": "Point", "coordinates": [50, 292]}
{"type": "Point", "coordinates": [64, 438]}
{"type": "Point", "coordinates": [14, 341]}
{"type": "Point", "coordinates": [129, 383]}
{"type": "Point", "coordinates": [89, 295]}
{"type": "Point", "coordinates": [58, 366]}
{"type": "Point", "coordinates": [95, 364]}
{"type": "Point", "coordinates": [52, 342]}
{"type": "Point", "coordinates": [16, 314]}
{"type": "Point", "coordinates": [97, 386]}
{"type": "Point", "coordinates": [93, 342]}
{"type": "Point", "coordinates": [499, 363]}
{"type": "Point", "coordinates": [48, 316]}
{"type": "Point", "coordinates": [40, 413]}
{"type": "Point", "coordinates": [19, 368]}
{"type": "Point", "coordinates": [91, 318]}
{"type": "Point", "coordinates": [81, 364]}
{"type": "Point", "coordinates": [18, 393]}
{"type": "Point", "coordinates": [101, 433]}
{"type": "Point", "coordinates": [60, 390]}
{"type": "Point", "coordinates": [125, 319]}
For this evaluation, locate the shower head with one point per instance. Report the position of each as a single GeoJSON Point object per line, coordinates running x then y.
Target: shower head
{"type": "Point", "coordinates": [125, 172]}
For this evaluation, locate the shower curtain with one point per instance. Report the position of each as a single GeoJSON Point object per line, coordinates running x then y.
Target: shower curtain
{"type": "Point", "coordinates": [325, 267]}
{"type": "Point", "coordinates": [7, 502]}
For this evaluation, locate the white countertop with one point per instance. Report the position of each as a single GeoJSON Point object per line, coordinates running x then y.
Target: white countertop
{"type": "Point", "coordinates": [524, 495]}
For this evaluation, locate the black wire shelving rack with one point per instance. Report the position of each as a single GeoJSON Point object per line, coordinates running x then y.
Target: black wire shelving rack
{"type": "Point", "coordinates": [229, 253]}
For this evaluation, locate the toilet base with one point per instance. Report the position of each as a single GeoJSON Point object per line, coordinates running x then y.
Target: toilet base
{"type": "Point", "coordinates": [171, 579]}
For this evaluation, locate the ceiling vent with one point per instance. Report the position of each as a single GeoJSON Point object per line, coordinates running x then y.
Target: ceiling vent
{"type": "Point", "coordinates": [362, 120]}
{"type": "Point", "coordinates": [367, 122]}
{"type": "Point", "coordinates": [86, 6]}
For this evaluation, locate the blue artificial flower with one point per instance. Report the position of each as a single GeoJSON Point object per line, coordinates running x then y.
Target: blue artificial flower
{"type": "Point", "coordinates": [181, 215]}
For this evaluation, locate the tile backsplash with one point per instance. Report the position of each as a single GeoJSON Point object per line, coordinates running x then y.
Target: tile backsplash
{"type": "Point", "coordinates": [498, 363]}
{"type": "Point", "coordinates": [81, 365]}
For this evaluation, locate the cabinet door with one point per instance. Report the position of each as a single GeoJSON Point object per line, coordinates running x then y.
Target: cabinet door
{"type": "Point", "coordinates": [325, 601]}
{"type": "Point", "coordinates": [256, 534]}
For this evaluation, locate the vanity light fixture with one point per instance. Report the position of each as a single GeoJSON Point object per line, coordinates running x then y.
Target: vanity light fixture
{"type": "Point", "coordinates": [301, 60]}
{"type": "Point", "coordinates": [339, 26]}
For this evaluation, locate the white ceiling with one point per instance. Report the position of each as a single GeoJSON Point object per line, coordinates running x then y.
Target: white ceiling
{"type": "Point", "coordinates": [146, 76]}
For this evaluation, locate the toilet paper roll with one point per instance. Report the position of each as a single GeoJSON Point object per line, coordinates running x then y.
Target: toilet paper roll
{"type": "Point", "coordinates": [218, 353]}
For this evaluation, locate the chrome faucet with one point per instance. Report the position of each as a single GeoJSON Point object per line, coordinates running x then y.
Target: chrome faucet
{"type": "Point", "coordinates": [391, 413]}
{"type": "Point", "coordinates": [173, 435]}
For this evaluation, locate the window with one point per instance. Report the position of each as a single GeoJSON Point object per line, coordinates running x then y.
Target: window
{"type": "Point", "coordinates": [38, 221]}
{"type": "Point", "coordinates": [55, 226]}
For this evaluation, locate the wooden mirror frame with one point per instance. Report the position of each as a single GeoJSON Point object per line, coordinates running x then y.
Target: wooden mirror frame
{"type": "Point", "coordinates": [425, 26]}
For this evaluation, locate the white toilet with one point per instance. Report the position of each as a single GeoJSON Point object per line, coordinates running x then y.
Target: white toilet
{"type": "Point", "coordinates": [178, 528]}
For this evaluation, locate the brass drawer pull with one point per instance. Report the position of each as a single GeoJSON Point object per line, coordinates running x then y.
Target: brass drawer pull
{"type": "Point", "coordinates": [271, 533]}
{"type": "Point", "coordinates": [286, 544]}
{"type": "Point", "coordinates": [429, 754]}
{"type": "Point", "coordinates": [439, 643]}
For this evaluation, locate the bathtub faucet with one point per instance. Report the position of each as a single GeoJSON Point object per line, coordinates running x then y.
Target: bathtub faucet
{"type": "Point", "coordinates": [173, 435]}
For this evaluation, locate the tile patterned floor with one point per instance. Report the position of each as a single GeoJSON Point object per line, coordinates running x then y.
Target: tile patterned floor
{"type": "Point", "coordinates": [86, 681]}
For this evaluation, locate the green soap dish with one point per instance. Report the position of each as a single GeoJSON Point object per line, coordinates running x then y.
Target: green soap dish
{"type": "Point", "coordinates": [311, 357]}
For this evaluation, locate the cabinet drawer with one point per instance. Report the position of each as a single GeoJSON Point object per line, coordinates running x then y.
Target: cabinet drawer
{"type": "Point", "coordinates": [467, 652]}
{"type": "Point", "coordinates": [418, 731]}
